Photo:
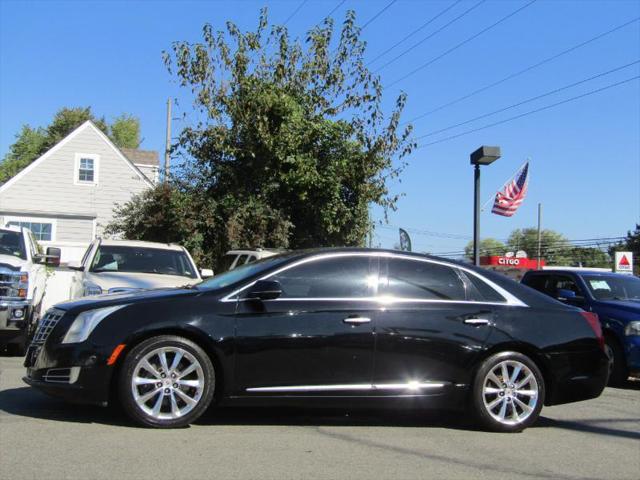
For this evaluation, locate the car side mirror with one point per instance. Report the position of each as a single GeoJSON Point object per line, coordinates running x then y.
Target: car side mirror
{"type": "Point", "coordinates": [569, 296]}
{"type": "Point", "coordinates": [206, 272]}
{"type": "Point", "coordinates": [52, 258]}
{"type": "Point", "coordinates": [265, 290]}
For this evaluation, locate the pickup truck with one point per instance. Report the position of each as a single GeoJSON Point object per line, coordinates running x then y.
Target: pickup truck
{"type": "Point", "coordinates": [118, 266]}
{"type": "Point", "coordinates": [23, 278]}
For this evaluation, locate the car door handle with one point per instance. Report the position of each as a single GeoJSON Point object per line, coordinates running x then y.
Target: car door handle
{"type": "Point", "coordinates": [476, 321]}
{"type": "Point", "coordinates": [356, 320]}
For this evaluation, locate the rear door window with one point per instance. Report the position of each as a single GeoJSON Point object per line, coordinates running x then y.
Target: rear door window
{"type": "Point", "coordinates": [415, 279]}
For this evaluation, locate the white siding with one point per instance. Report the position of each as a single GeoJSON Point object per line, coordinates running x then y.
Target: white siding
{"type": "Point", "coordinates": [50, 188]}
{"type": "Point", "coordinates": [150, 171]}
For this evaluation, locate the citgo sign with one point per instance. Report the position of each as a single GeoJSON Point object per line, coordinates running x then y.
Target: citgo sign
{"type": "Point", "coordinates": [512, 262]}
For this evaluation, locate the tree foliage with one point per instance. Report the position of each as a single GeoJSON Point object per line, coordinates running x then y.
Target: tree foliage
{"type": "Point", "coordinates": [125, 131]}
{"type": "Point", "coordinates": [289, 144]}
{"type": "Point", "coordinates": [33, 142]}
{"type": "Point", "coordinates": [488, 247]}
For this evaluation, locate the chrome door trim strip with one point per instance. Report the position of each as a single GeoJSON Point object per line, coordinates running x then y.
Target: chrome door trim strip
{"type": "Point", "coordinates": [412, 386]}
{"type": "Point", "coordinates": [511, 300]}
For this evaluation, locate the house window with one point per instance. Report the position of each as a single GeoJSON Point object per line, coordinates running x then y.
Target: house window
{"type": "Point", "coordinates": [41, 231]}
{"type": "Point", "coordinates": [86, 171]}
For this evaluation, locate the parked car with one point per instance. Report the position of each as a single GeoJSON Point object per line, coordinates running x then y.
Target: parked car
{"type": "Point", "coordinates": [237, 258]}
{"type": "Point", "coordinates": [116, 266]}
{"type": "Point", "coordinates": [23, 279]}
{"type": "Point", "coordinates": [616, 300]}
{"type": "Point", "coordinates": [331, 326]}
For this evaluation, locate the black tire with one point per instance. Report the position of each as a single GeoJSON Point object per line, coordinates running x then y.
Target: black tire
{"type": "Point", "coordinates": [131, 363]}
{"type": "Point", "coordinates": [481, 409]}
{"type": "Point", "coordinates": [618, 371]}
{"type": "Point", "coordinates": [16, 349]}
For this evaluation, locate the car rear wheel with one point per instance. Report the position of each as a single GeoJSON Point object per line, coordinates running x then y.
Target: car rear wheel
{"type": "Point", "coordinates": [618, 372]}
{"type": "Point", "coordinates": [166, 382]}
{"type": "Point", "coordinates": [508, 392]}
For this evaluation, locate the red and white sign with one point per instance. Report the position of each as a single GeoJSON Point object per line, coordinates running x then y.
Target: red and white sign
{"type": "Point", "coordinates": [511, 262]}
{"type": "Point", "coordinates": [624, 263]}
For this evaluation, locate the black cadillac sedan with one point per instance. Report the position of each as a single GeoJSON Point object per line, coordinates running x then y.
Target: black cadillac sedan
{"type": "Point", "coordinates": [335, 326]}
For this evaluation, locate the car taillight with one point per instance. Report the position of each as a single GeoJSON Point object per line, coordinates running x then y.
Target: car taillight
{"type": "Point", "coordinates": [594, 322]}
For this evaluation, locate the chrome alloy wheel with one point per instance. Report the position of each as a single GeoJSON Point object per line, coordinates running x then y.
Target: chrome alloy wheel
{"type": "Point", "coordinates": [167, 383]}
{"type": "Point", "coordinates": [510, 392]}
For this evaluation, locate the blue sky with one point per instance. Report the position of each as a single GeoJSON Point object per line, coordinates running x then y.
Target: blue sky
{"type": "Point", "coordinates": [585, 154]}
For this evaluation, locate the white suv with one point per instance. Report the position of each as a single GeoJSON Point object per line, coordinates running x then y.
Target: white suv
{"type": "Point", "coordinates": [237, 258]}
{"type": "Point", "coordinates": [116, 266]}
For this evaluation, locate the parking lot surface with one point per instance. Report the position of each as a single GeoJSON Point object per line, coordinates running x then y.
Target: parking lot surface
{"type": "Point", "coordinates": [44, 438]}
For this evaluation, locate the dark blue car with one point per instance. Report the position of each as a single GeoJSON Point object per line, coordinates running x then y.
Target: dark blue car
{"type": "Point", "coordinates": [616, 300]}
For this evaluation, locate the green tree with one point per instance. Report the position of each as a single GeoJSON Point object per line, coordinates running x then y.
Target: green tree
{"type": "Point", "coordinates": [33, 142]}
{"type": "Point", "coordinates": [488, 246]}
{"type": "Point", "coordinates": [27, 147]}
{"type": "Point", "coordinates": [555, 248]}
{"type": "Point", "coordinates": [291, 143]}
{"type": "Point", "coordinates": [125, 131]}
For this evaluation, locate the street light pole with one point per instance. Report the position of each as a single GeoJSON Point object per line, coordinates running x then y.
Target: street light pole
{"type": "Point", "coordinates": [482, 156]}
{"type": "Point", "coordinates": [476, 215]}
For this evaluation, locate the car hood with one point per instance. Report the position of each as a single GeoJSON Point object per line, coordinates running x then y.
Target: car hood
{"type": "Point", "coordinates": [107, 300]}
{"type": "Point", "coordinates": [121, 280]}
{"type": "Point", "coordinates": [9, 261]}
{"type": "Point", "coordinates": [629, 307]}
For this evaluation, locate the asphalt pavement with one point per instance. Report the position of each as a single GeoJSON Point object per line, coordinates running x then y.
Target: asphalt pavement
{"type": "Point", "coordinates": [44, 438]}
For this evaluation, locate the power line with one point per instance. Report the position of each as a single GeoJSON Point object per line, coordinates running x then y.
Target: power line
{"type": "Point", "coordinates": [406, 37]}
{"type": "Point", "coordinates": [531, 112]}
{"type": "Point", "coordinates": [378, 14]}
{"type": "Point", "coordinates": [415, 45]}
{"type": "Point", "coordinates": [549, 246]}
{"type": "Point", "coordinates": [524, 70]}
{"type": "Point", "coordinates": [335, 8]}
{"type": "Point", "coordinates": [293, 14]}
{"type": "Point", "coordinates": [464, 42]}
{"type": "Point", "coordinates": [537, 97]}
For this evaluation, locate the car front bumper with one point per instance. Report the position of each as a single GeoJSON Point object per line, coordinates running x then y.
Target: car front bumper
{"type": "Point", "coordinates": [75, 372]}
{"type": "Point", "coordinates": [14, 318]}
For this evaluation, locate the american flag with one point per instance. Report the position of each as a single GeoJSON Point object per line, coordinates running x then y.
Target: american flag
{"type": "Point", "coordinates": [509, 199]}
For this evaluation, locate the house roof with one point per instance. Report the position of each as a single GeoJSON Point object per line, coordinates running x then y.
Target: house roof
{"type": "Point", "coordinates": [90, 125]}
{"type": "Point", "coordinates": [141, 157]}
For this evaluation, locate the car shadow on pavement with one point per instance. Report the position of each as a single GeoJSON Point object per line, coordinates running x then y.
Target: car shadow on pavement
{"type": "Point", "coordinates": [28, 402]}
{"type": "Point", "coordinates": [599, 426]}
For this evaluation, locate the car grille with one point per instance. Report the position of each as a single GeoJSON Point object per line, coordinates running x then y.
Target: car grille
{"type": "Point", "coordinates": [7, 284]}
{"type": "Point", "coordinates": [47, 324]}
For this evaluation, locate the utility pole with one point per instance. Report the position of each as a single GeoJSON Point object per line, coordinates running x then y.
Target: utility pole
{"type": "Point", "coordinates": [539, 232]}
{"type": "Point", "coordinates": [167, 149]}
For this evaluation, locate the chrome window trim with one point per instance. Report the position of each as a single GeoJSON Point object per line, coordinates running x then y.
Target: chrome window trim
{"type": "Point", "coordinates": [413, 386]}
{"type": "Point", "coordinates": [510, 299]}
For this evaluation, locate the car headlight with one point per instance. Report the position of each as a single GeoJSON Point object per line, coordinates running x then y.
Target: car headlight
{"type": "Point", "coordinates": [90, 288]}
{"type": "Point", "coordinates": [632, 328]}
{"type": "Point", "coordinates": [86, 322]}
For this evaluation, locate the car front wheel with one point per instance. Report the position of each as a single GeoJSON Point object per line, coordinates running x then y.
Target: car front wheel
{"type": "Point", "coordinates": [618, 372]}
{"type": "Point", "coordinates": [508, 392]}
{"type": "Point", "coordinates": [166, 382]}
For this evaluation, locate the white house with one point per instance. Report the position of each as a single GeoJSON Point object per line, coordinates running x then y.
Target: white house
{"type": "Point", "coordinates": [67, 196]}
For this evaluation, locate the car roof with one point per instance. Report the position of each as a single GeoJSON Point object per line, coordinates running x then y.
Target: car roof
{"type": "Point", "coordinates": [585, 271]}
{"type": "Point", "coordinates": [13, 228]}
{"type": "Point", "coordinates": [142, 244]}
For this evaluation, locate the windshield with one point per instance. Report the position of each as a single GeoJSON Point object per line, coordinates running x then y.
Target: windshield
{"type": "Point", "coordinates": [11, 244]}
{"type": "Point", "coordinates": [613, 288]}
{"type": "Point", "coordinates": [240, 273]}
{"type": "Point", "coordinates": [110, 258]}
